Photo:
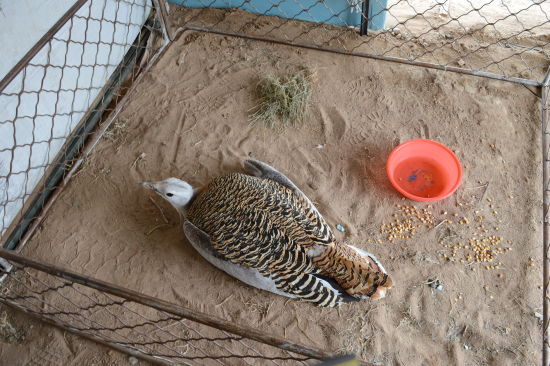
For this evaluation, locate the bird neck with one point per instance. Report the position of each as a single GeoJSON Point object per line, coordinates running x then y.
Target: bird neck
{"type": "Point", "coordinates": [182, 209]}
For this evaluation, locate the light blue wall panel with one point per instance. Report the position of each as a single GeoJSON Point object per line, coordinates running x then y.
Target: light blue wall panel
{"type": "Point", "coordinates": [337, 12]}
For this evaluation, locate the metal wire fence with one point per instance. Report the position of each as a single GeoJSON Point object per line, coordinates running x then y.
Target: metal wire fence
{"type": "Point", "coordinates": [500, 39]}
{"type": "Point", "coordinates": [52, 100]}
{"type": "Point", "coordinates": [142, 326]}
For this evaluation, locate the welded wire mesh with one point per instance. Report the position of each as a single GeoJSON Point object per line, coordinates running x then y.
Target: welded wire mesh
{"type": "Point", "coordinates": [498, 38]}
{"type": "Point", "coordinates": [131, 324]}
{"type": "Point", "coordinates": [51, 101]}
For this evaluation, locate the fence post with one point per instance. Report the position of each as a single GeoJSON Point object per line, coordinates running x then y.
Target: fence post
{"type": "Point", "coordinates": [363, 28]}
{"type": "Point", "coordinates": [545, 207]}
{"type": "Point", "coordinates": [160, 7]}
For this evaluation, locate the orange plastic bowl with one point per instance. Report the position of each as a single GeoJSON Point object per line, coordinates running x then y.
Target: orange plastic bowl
{"type": "Point", "coordinates": [424, 170]}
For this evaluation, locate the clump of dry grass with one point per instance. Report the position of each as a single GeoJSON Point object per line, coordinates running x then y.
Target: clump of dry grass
{"type": "Point", "coordinates": [283, 99]}
{"type": "Point", "coordinates": [116, 133]}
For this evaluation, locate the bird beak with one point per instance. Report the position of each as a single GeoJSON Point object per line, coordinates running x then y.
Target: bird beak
{"type": "Point", "coordinates": [147, 185]}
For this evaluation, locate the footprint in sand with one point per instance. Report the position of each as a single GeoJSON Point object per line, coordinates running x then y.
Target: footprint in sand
{"type": "Point", "coordinates": [358, 87]}
{"type": "Point", "coordinates": [316, 173]}
{"type": "Point", "coordinates": [359, 137]}
{"type": "Point", "coordinates": [363, 86]}
{"type": "Point", "coordinates": [335, 124]}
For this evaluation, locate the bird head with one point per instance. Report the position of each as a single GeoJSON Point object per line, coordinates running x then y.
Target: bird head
{"type": "Point", "coordinates": [174, 190]}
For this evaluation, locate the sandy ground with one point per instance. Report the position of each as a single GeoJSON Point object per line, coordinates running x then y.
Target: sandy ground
{"type": "Point", "coordinates": [190, 119]}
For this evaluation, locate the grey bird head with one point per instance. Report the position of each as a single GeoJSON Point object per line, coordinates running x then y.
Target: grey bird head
{"type": "Point", "coordinates": [174, 190]}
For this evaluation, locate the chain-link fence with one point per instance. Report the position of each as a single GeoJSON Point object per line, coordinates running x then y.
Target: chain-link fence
{"type": "Point", "coordinates": [151, 329]}
{"type": "Point", "coordinates": [53, 99]}
{"type": "Point", "coordinates": [500, 39]}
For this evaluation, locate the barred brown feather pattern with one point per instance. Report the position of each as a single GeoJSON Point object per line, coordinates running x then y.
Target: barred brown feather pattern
{"type": "Point", "coordinates": [358, 275]}
{"type": "Point", "coordinates": [259, 223]}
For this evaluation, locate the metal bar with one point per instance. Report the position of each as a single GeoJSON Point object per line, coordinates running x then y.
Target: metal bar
{"type": "Point", "coordinates": [459, 70]}
{"type": "Point", "coordinates": [546, 81]}
{"type": "Point", "coordinates": [160, 6]}
{"type": "Point", "coordinates": [546, 225]}
{"type": "Point", "coordinates": [38, 46]}
{"type": "Point", "coordinates": [364, 27]}
{"type": "Point", "coordinates": [158, 304]}
{"type": "Point", "coordinates": [41, 204]}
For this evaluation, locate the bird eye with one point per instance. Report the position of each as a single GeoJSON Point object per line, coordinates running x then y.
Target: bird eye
{"type": "Point", "coordinates": [169, 194]}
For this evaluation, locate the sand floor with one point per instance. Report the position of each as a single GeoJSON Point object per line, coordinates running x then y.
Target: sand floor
{"type": "Point", "coordinates": [190, 119]}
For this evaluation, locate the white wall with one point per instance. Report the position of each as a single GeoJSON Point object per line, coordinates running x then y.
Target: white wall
{"type": "Point", "coordinates": [35, 18]}
{"type": "Point", "coordinates": [44, 103]}
{"type": "Point", "coordinates": [526, 18]}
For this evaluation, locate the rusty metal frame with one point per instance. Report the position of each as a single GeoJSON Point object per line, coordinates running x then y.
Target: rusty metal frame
{"type": "Point", "coordinates": [160, 6]}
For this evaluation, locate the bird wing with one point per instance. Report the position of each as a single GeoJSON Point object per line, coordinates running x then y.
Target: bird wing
{"type": "Point", "coordinates": [250, 217]}
{"type": "Point", "coordinates": [308, 216]}
{"type": "Point", "coordinates": [260, 224]}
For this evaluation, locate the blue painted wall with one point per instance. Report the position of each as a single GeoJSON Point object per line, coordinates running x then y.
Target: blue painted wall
{"type": "Point", "coordinates": [337, 12]}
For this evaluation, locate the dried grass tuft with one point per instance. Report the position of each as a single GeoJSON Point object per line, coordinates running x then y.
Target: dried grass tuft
{"type": "Point", "coordinates": [283, 99]}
